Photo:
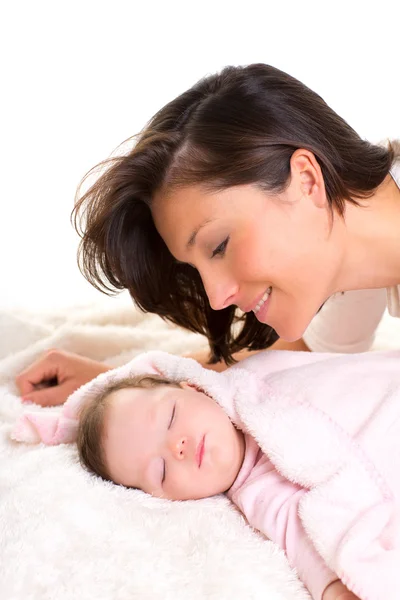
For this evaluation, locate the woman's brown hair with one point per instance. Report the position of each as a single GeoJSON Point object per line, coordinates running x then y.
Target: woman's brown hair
{"type": "Point", "coordinates": [240, 126]}
{"type": "Point", "coordinates": [92, 419]}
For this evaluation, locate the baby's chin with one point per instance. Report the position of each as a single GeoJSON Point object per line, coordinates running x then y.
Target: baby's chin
{"type": "Point", "coordinates": [209, 490]}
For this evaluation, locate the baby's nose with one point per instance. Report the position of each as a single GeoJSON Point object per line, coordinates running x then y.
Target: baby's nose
{"type": "Point", "coordinates": [179, 447]}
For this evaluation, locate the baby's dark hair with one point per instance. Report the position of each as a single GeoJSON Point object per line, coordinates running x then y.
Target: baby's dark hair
{"type": "Point", "coordinates": [238, 127]}
{"type": "Point", "coordinates": [92, 417]}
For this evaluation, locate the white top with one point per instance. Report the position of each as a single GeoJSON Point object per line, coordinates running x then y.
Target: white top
{"type": "Point", "coordinates": [347, 322]}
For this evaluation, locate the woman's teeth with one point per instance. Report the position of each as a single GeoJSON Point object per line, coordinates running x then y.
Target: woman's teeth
{"type": "Point", "coordinates": [263, 299]}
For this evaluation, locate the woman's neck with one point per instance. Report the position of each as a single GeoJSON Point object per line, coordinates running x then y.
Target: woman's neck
{"type": "Point", "coordinates": [372, 241]}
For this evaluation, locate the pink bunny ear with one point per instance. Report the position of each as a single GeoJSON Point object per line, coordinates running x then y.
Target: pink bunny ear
{"type": "Point", "coordinates": [61, 427]}
{"type": "Point", "coordinates": [51, 429]}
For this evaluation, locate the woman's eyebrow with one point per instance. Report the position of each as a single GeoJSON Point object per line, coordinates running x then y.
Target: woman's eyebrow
{"type": "Point", "coordinates": [191, 241]}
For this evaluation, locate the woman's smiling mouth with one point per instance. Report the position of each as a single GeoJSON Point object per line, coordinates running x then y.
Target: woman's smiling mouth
{"type": "Point", "coordinates": [262, 301]}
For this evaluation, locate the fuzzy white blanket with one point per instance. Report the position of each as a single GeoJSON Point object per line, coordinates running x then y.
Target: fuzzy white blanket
{"type": "Point", "coordinates": [67, 535]}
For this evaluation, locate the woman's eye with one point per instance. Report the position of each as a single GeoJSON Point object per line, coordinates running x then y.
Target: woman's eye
{"type": "Point", "coordinates": [220, 250]}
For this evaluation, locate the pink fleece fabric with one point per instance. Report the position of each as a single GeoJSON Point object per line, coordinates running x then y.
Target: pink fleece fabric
{"type": "Point", "coordinates": [270, 504]}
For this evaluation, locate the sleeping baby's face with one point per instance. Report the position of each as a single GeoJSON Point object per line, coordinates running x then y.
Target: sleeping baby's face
{"type": "Point", "coordinates": [172, 442]}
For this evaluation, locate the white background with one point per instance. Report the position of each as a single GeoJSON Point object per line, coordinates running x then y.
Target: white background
{"type": "Point", "coordinates": [78, 78]}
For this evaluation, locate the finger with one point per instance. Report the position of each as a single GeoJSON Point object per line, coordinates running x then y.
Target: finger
{"type": "Point", "coordinates": [39, 371]}
{"type": "Point", "coordinates": [51, 396]}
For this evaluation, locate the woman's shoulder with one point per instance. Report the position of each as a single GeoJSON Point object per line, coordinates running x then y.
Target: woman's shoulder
{"type": "Point", "coordinates": [347, 322]}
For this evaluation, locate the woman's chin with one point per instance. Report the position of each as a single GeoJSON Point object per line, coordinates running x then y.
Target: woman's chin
{"type": "Point", "coordinates": [290, 332]}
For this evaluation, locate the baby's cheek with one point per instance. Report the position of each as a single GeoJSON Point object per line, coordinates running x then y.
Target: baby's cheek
{"type": "Point", "coordinates": [175, 484]}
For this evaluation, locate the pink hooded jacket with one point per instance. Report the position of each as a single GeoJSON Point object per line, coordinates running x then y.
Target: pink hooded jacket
{"type": "Point", "coordinates": [330, 426]}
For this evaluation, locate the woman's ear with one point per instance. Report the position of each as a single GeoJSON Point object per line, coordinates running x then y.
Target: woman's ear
{"type": "Point", "coordinates": [307, 177]}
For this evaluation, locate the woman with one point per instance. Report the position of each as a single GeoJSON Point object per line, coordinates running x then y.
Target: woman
{"type": "Point", "coordinates": [246, 191]}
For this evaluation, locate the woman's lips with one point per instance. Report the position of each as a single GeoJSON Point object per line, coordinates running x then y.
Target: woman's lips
{"type": "Point", "coordinates": [260, 300]}
{"type": "Point", "coordinates": [261, 314]}
{"type": "Point", "coordinates": [200, 452]}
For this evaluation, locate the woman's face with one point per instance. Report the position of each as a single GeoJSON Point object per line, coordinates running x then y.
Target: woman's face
{"type": "Point", "coordinates": [279, 256]}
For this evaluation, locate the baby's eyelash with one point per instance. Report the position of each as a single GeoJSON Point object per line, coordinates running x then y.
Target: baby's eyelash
{"type": "Point", "coordinates": [172, 417]}
{"type": "Point", "coordinates": [220, 250]}
{"type": "Point", "coordinates": [170, 423]}
{"type": "Point", "coordinates": [163, 475]}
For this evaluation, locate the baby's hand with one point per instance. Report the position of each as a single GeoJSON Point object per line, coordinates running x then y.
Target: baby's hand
{"type": "Point", "coordinates": [338, 591]}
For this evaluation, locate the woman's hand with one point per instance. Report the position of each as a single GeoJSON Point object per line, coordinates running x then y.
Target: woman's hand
{"type": "Point", "coordinates": [338, 591]}
{"type": "Point", "coordinates": [55, 375]}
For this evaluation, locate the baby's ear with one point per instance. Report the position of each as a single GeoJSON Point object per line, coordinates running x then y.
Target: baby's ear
{"type": "Point", "coordinates": [185, 385]}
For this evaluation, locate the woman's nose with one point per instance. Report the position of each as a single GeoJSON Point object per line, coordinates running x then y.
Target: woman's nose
{"type": "Point", "coordinates": [221, 292]}
{"type": "Point", "coordinates": [179, 447]}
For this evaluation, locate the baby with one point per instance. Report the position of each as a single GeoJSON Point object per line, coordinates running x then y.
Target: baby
{"type": "Point", "coordinates": [173, 441]}
{"type": "Point", "coordinates": [306, 445]}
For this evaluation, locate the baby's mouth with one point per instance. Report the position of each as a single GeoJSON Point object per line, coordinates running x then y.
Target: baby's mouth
{"type": "Point", "coordinates": [200, 452]}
